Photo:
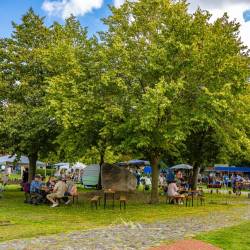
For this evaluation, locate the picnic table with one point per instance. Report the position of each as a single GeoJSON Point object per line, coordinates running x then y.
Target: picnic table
{"type": "Point", "coordinates": [107, 194]}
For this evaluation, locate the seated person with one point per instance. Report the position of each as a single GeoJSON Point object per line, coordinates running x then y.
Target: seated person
{"type": "Point", "coordinates": [58, 192]}
{"type": "Point", "coordinates": [50, 184]}
{"type": "Point", "coordinates": [173, 191]}
{"type": "Point", "coordinates": [71, 189]}
{"type": "Point", "coordinates": [35, 190]}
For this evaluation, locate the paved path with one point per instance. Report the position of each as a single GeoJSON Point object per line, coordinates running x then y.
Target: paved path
{"type": "Point", "coordinates": [187, 245]}
{"type": "Point", "coordinates": [132, 235]}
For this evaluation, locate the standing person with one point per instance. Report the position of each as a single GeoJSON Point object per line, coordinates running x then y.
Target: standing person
{"type": "Point", "coordinates": [233, 182]}
{"type": "Point", "coordinates": [25, 175]}
{"type": "Point", "coordinates": [58, 192]}
{"type": "Point", "coordinates": [5, 179]}
{"type": "Point", "coordinates": [148, 182]}
{"type": "Point", "coordinates": [225, 180]}
{"type": "Point", "coordinates": [138, 178]}
{"type": "Point", "coordinates": [161, 180]}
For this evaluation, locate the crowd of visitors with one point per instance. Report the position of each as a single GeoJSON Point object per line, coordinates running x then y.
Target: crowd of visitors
{"type": "Point", "coordinates": [40, 191]}
{"type": "Point", "coordinates": [234, 180]}
{"type": "Point", "coordinates": [171, 183]}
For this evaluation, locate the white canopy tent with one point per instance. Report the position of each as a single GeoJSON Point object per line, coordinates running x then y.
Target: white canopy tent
{"type": "Point", "coordinates": [23, 160]}
{"type": "Point", "coordinates": [79, 166]}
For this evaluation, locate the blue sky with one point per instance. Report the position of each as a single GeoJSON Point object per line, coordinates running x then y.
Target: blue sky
{"type": "Point", "coordinates": [89, 12]}
{"type": "Point", "coordinates": [12, 10]}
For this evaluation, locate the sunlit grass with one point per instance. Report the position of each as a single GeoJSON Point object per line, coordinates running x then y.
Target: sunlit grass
{"type": "Point", "coordinates": [25, 220]}
{"type": "Point", "coordinates": [232, 238]}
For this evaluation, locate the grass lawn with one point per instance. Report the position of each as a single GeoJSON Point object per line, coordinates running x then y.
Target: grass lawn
{"type": "Point", "coordinates": [27, 220]}
{"type": "Point", "coordinates": [232, 238]}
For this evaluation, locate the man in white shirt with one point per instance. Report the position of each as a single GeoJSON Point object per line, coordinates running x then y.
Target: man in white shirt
{"type": "Point", "coordinates": [58, 192]}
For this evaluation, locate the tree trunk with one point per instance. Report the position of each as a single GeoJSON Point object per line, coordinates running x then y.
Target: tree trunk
{"type": "Point", "coordinates": [155, 178]}
{"type": "Point", "coordinates": [102, 154]}
{"type": "Point", "coordinates": [196, 171]}
{"type": "Point", "coordinates": [32, 166]}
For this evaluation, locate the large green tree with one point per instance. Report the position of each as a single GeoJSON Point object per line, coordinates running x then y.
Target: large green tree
{"type": "Point", "coordinates": [75, 95]}
{"type": "Point", "coordinates": [26, 126]}
{"type": "Point", "coordinates": [178, 76]}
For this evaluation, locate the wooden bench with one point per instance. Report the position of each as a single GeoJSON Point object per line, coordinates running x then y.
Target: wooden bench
{"type": "Point", "coordinates": [176, 198]}
{"type": "Point", "coordinates": [123, 200]}
{"type": "Point", "coordinates": [96, 200]}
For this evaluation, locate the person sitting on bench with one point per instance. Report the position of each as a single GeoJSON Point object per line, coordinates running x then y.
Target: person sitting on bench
{"type": "Point", "coordinates": [173, 192]}
{"type": "Point", "coordinates": [58, 192]}
{"type": "Point", "coordinates": [71, 190]}
{"type": "Point", "coordinates": [35, 186]}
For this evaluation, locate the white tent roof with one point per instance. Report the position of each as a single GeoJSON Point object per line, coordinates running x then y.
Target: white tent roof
{"type": "Point", "coordinates": [24, 160]}
{"type": "Point", "coordinates": [182, 166]}
{"type": "Point", "coordinates": [79, 165]}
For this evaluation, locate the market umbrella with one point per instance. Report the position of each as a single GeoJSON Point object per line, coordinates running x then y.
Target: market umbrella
{"type": "Point", "coordinates": [138, 162]}
{"type": "Point", "coordinates": [121, 164]}
{"type": "Point", "coordinates": [182, 166]}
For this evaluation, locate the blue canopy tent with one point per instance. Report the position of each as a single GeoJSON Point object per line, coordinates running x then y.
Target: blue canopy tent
{"type": "Point", "coordinates": [232, 169]}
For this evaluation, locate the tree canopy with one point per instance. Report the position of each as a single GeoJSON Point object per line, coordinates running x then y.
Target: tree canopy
{"type": "Point", "coordinates": [159, 83]}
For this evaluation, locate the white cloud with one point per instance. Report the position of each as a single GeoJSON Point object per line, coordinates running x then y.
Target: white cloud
{"type": "Point", "coordinates": [64, 8]}
{"type": "Point", "coordinates": [118, 3]}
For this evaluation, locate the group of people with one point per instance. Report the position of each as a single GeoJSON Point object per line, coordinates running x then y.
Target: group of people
{"type": "Point", "coordinates": [172, 183]}
{"type": "Point", "coordinates": [39, 191]}
{"type": "Point", "coordinates": [225, 179]}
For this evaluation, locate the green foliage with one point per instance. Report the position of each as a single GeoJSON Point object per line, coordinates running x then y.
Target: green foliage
{"type": "Point", "coordinates": [159, 83]}
{"type": "Point", "coordinates": [176, 76]}
{"type": "Point", "coordinates": [26, 126]}
{"type": "Point", "coordinates": [49, 172]}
